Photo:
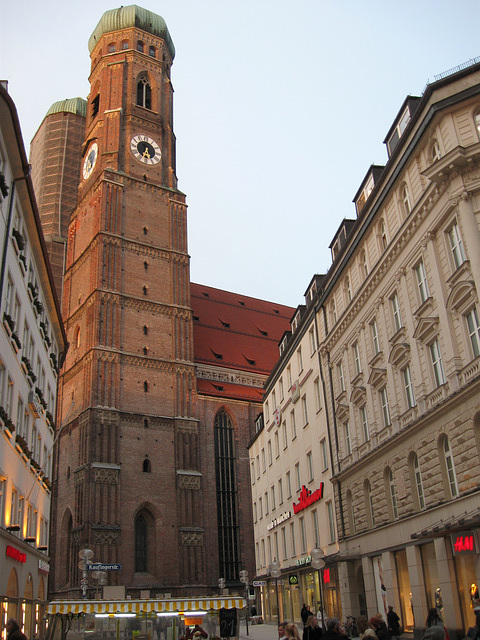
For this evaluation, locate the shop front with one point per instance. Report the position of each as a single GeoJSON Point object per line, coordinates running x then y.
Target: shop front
{"type": "Point", "coordinates": [24, 590]}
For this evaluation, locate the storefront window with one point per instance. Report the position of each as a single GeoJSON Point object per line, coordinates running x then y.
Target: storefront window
{"type": "Point", "coordinates": [465, 572]}
{"type": "Point", "coordinates": [404, 589]}
{"type": "Point", "coordinates": [430, 572]}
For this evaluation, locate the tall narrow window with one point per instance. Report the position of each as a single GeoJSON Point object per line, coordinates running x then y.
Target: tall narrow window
{"type": "Point", "coordinates": [284, 434]}
{"type": "Point", "coordinates": [407, 379]}
{"type": "Point", "coordinates": [316, 532]}
{"type": "Point", "coordinates": [418, 482]}
{"type": "Point", "coordinates": [422, 281]}
{"type": "Point", "coordinates": [280, 491]}
{"type": "Point", "coordinates": [292, 539]}
{"type": "Point", "coordinates": [382, 235]}
{"type": "Point", "coordinates": [437, 363]}
{"type": "Point", "coordinates": [456, 245]}
{"type": "Point", "coordinates": [375, 338]}
{"type": "Point", "coordinates": [299, 360]}
{"type": "Point", "coordinates": [293, 424]}
{"type": "Point", "coordinates": [363, 264]}
{"type": "Point", "coordinates": [284, 543]}
{"type": "Point", "coordinates": [144, 93]}
{"type": "Point", "coordinates": [316, 390]}
{"type": "Point", "coordinates": [227, 509]}
{"type": "Point", "coordinates": [474, 331]}
{"type": "Point", "coordinates": [341, 378]}
{"type": "Point", "coordinates": [348, 443]}
{"type": "Point", "coordinates": [277, 444]}
{"type": "Point", "coordinates": [297, 476]}
{"type": "Point", "coordinates": [303, 536]}
{"type": "Point", "coordinates": [450, 468]}
{"type": "Point", "coordinates": [289, 484]}
{"type": "Point", "coordinates": [348, 290]}
{"type": "Point", "coordinates": [369, 504]}
{"type": "Point", "coordinates": [141, 542]}
{"type": "Point", "coordinates": [393, 494]}
{"type": "Point", "coordinates": [356, 358]}
{"type": "Point", "coordinates": [331, 522]}
{"type": "Point", "coordinates": [385, 407]}
{"type": "Point", "coordinates": [406, 200]}
{"type": "Point", "coordinates": [364, 421]}
{"type": "Point", "coordinates": [397, 316]}
{"type": "Point", "coordinates": [311, 335]}
{"type": "Point", "coordinates": [310, 466]}
{"type": "Point", "coordinates": [272, 494]}
{"type": "Point", "coordinates": [324, 451]}
{"type": "Point", "coordinates": [304, 411]}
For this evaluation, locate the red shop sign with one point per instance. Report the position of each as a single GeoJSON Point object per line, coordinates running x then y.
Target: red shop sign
{"type": "Point", "coordinates": [464, 543]}
{"type": "Point", "coordinates": [16, 554]}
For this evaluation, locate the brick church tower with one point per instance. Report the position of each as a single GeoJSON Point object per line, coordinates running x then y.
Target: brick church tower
{"type": "Point", "coordinates": [128, 444]}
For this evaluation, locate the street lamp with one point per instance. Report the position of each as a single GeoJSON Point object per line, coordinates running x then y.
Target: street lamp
{"type": "Point", "coordinates": [318, 563]}
{"type": "Point", "coordinates": [275, 572]}
{"type": "Point", "coordinates": [101, 578]}
{"type": "Point", "coordinates": [84, 555]}
{"type": "Point", "coordinates": [244, 581]}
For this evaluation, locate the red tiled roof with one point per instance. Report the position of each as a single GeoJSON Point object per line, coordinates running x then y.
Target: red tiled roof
{"type": "Point", "coordinates": [235, 331]}
{"type": "Point", "coordinates": [229, 390]}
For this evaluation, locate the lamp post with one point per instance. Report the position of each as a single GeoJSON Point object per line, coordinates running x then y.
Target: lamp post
{"type": "Point", "coordinates": [84, 555]}
{"type": "Point", "coordinates": [275, 572]}
{"type": "Point", "coordinates": [318, 563]}
{"type": "Point", "coordinates": [101, 578]}
{"type": "Point", "coordinates": [244, 581]}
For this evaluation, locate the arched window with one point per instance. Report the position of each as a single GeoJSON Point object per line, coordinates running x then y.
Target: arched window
{"type": "Point", "coordinates": [145, 350]}
{"type": "Point", "coordinates": [141, 540]}
{"type": "Point", "coordinates": [348, 290]}
{"type": "Point", "coordinates": [367, 491]}
{"type": "Point", "coordinates": [145, 289]}
{"type": "Point", "coordinates": [151, 51]}
{"type": "Point", "coordinates": [417, 479]}
{"type": "Point", "coordinates": [449, 467]}
{"type": "Point", "coordinates": [145, 386]}
{"type": "Point", "coordinates": [111, 48]}
{"type": "Point", "coordinates": [145, 329]}
{"type": "Point", "coordinates": [145, 264]}
{"type": "Point", "coordinates": [226, 483]}
{"type": "Point", "coordinates": [140, 46]}
{"type": "Point", "coordinates": [147, 466]}
{"type": "Point", "coordinates": [76, 341]}
{"type": "Point", "coordinates": [391, 492]}
{"type": "Point", "coordinates": [363, 264]}
{"type": "Point", "coordinates": [125, 44]}
{"type": "Point", "coordinates": [351, 513]}
{"type": "Point", "coordinates": [407, 207]}
{"type": "Point", "coordinates": [144, 93]}
{"type": "Point", "coordinates": [382, 235]}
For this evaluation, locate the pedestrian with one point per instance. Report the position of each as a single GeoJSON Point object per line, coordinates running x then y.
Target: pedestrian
{"type": "Point", "coordinates": [281, 631]}
{"type": "Point", "coordinates": [335, 630]}
{"type": "Point", "coordinates": [13, 630]}
{"type": "Point", "coordinates": [291, 631]}
{"type": "Point", "coordinates": [393, 623]}
{"type": "Point", "coordinates": [362, 624]}
{"type": "Point", "coordinates": [304, 613]}
{"type": "Point", "coordinates": [253, 611]}
{"type": "Point", "coordinates": [474, 632]}
{"type": "Point", "coordinates": [312, 630]}
{"type": "Point", "coordinates": [377, 623]}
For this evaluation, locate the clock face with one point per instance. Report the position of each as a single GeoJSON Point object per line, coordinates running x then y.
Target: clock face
{"type": "Point", "coordinates": [90, 160]}
{"type": "Point", "coordinates": [145, 149]}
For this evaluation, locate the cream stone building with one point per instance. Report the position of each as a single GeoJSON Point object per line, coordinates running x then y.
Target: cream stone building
{"type": "Point", "coordinates": [32, 342]}
{"type": "Point", "coordinates": [290, 468]}
{"type": "Point", "coordinates": [399, 335]}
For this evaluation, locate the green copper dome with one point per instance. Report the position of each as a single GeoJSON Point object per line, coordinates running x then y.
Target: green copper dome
{"type": "Point", "coordinates": [71, 105]}
{"type": "Point", "coordinates": [132, 16]}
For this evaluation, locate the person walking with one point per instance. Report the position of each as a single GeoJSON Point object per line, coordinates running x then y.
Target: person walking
{"type": "Point", "coordinates": [13, 630]}
{"type": "Point", "coordinates": [393, 623]}
{"type": "Point", "coordinates": [291, 631]}
{"type": "Point", "coordinates": [304, 613]}
{"type": "Point", "coordinates": [312, 630]}
{"type": "Point", "coordinates": [335, 630]}
{"type": "Point", "coordinates": [281, 631]}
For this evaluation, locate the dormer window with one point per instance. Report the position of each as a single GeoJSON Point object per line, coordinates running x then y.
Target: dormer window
{"type": "Point", "coordinates": [398, 131]}
{"type": "Point", "coordinates": [366, 191]}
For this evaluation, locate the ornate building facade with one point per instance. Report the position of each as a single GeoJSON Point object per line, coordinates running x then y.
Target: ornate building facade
{"type": "Point", "coordinates": [400, 339]}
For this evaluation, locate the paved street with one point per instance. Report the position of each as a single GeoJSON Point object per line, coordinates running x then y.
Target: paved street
{"type": "Point", "coordinates": [265, 631]}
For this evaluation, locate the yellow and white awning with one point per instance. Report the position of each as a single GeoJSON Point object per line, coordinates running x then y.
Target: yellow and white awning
{"type": "Point", "coordinates": [144, 606]}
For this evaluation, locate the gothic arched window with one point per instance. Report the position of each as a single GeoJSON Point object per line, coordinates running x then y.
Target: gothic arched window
{"type": "Point", "coordinates": [227, 509]}
{"type": "Point", "coordinates": [147, 466]}
{"type": "Point", "coordinates": [141, 548]}
{"type": "Point", "coordinates": [144, 93]}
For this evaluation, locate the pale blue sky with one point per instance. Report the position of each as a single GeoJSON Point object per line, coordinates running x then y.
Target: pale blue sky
{"type": "Point", "coordinates": [280, 108]}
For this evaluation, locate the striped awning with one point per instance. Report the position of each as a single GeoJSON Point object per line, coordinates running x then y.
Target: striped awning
{"type": "Point", "coordinates": [144, 606]}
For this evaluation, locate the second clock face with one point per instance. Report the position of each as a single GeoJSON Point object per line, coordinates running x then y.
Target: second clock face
{"type": "Point", "coordinates": [145, 149]}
